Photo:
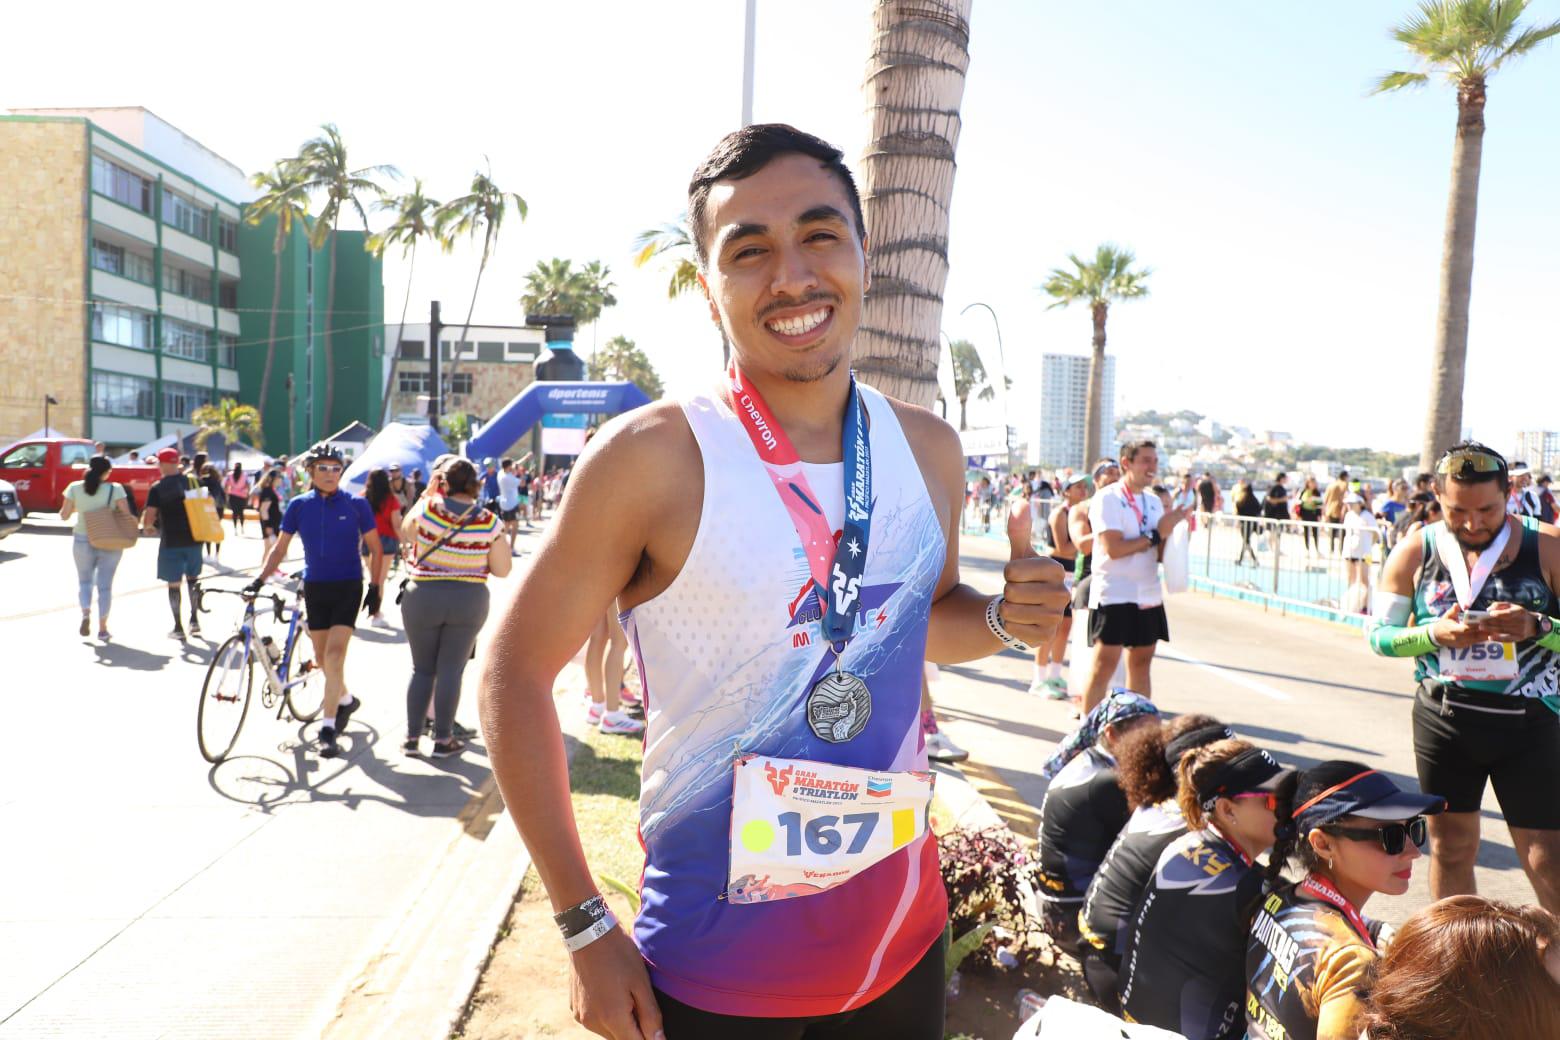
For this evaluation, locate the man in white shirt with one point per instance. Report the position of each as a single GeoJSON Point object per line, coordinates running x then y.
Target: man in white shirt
{"type": "Point", "coordinates": [509, 499]}
{"type": "Point", "coordinates": [1126, 606]}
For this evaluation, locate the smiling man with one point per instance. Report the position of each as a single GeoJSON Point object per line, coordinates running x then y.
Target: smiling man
{"type": "Point", "coordinates": [781, 587]}
{"type": "Point", "coordinates": [1472, 600]}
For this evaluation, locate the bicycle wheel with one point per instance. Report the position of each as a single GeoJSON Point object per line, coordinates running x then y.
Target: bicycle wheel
{"type": "Point", "coordinates": [306, 698]}
{"type": "Point", "coordinates": [224, 699]}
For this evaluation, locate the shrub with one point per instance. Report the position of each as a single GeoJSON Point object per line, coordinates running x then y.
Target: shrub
{"type": "Point", "coordinates": [989, 874]}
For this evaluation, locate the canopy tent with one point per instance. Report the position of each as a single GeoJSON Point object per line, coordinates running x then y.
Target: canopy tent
{"type": "Point", "coordinates": [410, 447]}
{"type": "Point", "coordinates": [551, 398]}
{"type": "Point", "coordinates": [42, 433]}
{"type": "Point", "coordinates": [217, 449]}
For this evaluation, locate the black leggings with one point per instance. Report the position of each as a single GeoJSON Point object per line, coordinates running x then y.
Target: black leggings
{"type": "Point", "coordinates": [911, 1010]}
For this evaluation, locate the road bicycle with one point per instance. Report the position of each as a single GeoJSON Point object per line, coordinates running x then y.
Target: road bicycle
{"type": "Point", "coordinates": [287, 671]}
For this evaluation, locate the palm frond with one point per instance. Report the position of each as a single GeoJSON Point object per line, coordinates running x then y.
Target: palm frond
{"type": "Point", "coordinates": [1398, 81]}
{"type": "Point", "coordinates": [1526, 42]}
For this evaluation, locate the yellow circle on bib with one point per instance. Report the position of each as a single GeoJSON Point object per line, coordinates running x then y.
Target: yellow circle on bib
{"type": "Point", "coordinates": [757, 835]}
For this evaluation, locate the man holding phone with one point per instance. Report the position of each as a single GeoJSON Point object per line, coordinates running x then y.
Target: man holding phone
{"type": "Point", "coordinates": [1473, 601]}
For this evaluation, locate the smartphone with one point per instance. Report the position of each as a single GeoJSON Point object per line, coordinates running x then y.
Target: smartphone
{"type": "Point", "coordinates": [1472, 616]}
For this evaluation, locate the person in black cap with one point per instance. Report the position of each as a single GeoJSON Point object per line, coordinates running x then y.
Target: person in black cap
{"type": "Point", "coordinates": [1186, 957]}
{"type": "Point", "coordinates": [1311, 950]}
{"type": "Point", "coordinates": [1145, 767]}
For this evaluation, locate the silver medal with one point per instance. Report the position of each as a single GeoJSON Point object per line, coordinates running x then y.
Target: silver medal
{"type": "Point", "coordinates": [838, 707]}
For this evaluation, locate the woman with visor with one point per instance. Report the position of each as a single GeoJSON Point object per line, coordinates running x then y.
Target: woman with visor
{"type": "Point", "coordinates": [1311, 949]}
{"type": "Point", "coordinates": [1185, 965]}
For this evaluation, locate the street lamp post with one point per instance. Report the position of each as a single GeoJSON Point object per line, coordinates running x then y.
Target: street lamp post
{"type": "Point", "coordinates": [1007, 429]}
{"type": "Point", "coordinates": [48, 399]}
{"type": "Point", "coordinates": [749, 34]}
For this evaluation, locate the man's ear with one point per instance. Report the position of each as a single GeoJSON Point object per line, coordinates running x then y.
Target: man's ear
{"type": "Point", "coordinates": [709, 298]}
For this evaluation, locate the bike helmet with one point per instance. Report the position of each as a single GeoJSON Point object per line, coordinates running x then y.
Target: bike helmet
{"type": "Point", "coordinates": [322, 453]}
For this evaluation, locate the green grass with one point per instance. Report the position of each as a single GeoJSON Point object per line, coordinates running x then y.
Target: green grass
{"type": "Point", "coordinates": [604, 779]}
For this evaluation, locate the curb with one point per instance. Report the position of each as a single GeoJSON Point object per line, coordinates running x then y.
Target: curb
{"type": "Point", "coordinates": [427, 961]}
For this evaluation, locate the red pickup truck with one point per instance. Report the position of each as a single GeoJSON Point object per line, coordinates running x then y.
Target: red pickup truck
{"type": "Point", "coordinates": [42, 469]}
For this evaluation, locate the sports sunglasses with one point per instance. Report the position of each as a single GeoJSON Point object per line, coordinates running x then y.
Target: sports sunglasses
{"type": "Point", "coordinates": [1468, 462]}
{"type": "Point", "coordinates": [1393, 836]}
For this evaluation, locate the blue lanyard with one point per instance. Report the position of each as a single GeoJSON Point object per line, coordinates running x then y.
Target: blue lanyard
{"type": "Point", "coordinates": [850, 556]}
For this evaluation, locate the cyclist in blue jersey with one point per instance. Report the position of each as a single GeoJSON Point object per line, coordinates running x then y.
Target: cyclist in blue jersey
{"type": "Point", "coordinates": [331, 521]}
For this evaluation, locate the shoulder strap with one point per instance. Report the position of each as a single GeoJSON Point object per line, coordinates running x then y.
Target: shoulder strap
{"type": "Point", "coordinates": [465, 519]}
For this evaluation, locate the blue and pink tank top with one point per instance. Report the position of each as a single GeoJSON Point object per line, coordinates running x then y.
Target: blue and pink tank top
{"type": "Point", "coordinates": [728, 654]}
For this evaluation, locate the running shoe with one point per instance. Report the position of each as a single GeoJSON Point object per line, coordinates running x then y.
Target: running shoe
{"type": "Point", "coordinates": [629, 698]}
{"type": "Point", "coordinates": [463, 732]}
{"type": "Point", "coordinates": [328, 746]}
{"type": "Point", "coordinates": [195, 627]}
{"type": "Point", "coordinates": [941, 749]}
{"type": "Point", "coordinates": [593, 714]}
{"type": "Point", "coordinates": [344, 713]}
{"type": "Point", "coordinates": [86, 625]}
{"type": "Point", "coordinates": [177, 632]}
{"type": "Point", "coordinates": [411, 748]}
{"type": "Point", "coordinates": [1039, 687]}
{"type": "Point", "coordinates": [621, 724]}
{"type": "Point", "coordinates": [448, 748]}
{"type": "Point", "coordinates": [1058, 689]}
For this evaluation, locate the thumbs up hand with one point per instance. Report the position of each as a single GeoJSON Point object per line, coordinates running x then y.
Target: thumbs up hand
{"type": "Point", "coordinates": [1034, 595]}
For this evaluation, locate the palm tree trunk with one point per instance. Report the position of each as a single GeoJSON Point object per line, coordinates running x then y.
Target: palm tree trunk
{"type": "Point", "coordinates": [1443, 416]}
{"type": "Point", "coordinates": [395, 354]}
{"type": "Point", "coordinates": [1093, 410]}
{"type": "Point", "coordinates": [914, 84]}
{"type": "Point", "coordinates": [270, 338]}
{"type": "Point", "coordinates": [465, 330]}
{"type": "Point", "coordinates": [962, 426]}
{"type": "Point", "coordinates": [330, 356]}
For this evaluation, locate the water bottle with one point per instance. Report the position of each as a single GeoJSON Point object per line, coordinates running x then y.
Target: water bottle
{"type": "Point", "coordinates": [272, 651]}
{"type": "Point", "coordinates": [1029, 1004]}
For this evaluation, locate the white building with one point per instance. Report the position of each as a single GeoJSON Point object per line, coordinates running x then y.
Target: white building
{"type": "Point", "coordinates": [1540, 449]}
{"type": "Point", "coordinates": [1064, 397]}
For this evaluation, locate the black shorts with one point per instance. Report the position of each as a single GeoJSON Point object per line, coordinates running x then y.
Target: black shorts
{"type": "Point", "coordinates": [1080, 599]}
{"type": "Point", "coordinates": [1458, 748]}
{"type": "Point", "coordinates": [1068, 564]}
{"type": "Point", "coordinates": [332, 603]}
{"type": "Point", "coordinates": [509, 514]}
{"type": "Point", "coordinates": [1127, 624]}
{"type": "Point", "coordinates": [911, 1010]}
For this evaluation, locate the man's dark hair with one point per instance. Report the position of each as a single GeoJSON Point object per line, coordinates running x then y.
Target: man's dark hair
{"type": "Point", "coordinates": [1343, 474]}
{"type": "Point", "coordinates": [1130, 449]}
{"type": "Point", "coordinates": [744, 152]}
{"type": "Point", "coordinates": [1466, 475]}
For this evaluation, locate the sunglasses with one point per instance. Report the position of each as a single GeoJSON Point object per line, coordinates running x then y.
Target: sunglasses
{"type": "Point", "coordinates": [327, 467]}
{"type": "Point", "coordinates": [1394, 837]}
{"type": "Point", "coordinates": [1468, 462]}
{"type": "Point", "coordinates": [1269, 799]}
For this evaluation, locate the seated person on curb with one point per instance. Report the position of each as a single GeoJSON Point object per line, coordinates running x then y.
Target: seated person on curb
{"type": "Point", "coordinates": [1145, 767]}
{"type": "Point", "coordinates": [1354, 833]}
{"type": "Point", "coordinates": [1084, 809]}
{"type": "Point", "coordinates": [1468, 968]}
{"type": "Point", "coordinates": [1185, 966]}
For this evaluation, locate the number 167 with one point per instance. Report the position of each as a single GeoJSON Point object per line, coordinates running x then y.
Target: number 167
{"type": "Point", "coordinates": [821, 834]}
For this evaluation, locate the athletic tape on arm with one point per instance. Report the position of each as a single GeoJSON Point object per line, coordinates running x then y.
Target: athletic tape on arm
{"type": "Point", "coordinates": [1389, 633]}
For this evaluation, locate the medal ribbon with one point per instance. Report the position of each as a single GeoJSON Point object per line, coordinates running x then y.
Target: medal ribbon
{"type": "Point", "coordinates": [1138, 512]}
{"type": "Point", "coordinates": [1321, 888]}
{"type": "Point", "coordinates": [1468, 586]}
{"type": "Point", "coordinates": [837, 570]}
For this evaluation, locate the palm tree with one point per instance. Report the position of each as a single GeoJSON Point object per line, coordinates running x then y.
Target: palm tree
{"type": "Point", "coordinates": [554, 287]}
{"type": "Point", "coordinates": [969, 375]}
{"type": "Point", "coordinates": [621, 359]}
{"type": "Point", "coordinates": [673, 242]}
{"type": "Point", "coordinates": [414, 213]}
{"type": "Point", "coordinates": [1466, 41]}
{"type": "Point", "coordinates": [1099, 283]}
{"type": "Point", "coordinates": [482, 209]}
{"type": "Point", "coordinates": [322, 162]}
{"type": "Point", "coordinates": [914, 84]}
{"type": "Point", "coordinates": [234, 421]}
{"type": "Point", "coordinates": [285, 199]}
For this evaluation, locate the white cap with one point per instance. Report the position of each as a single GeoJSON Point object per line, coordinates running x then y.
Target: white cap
{"type": "Point", "coordinates": [1351, 498]}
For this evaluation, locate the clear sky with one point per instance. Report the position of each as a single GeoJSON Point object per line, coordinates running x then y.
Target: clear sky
{"type": "Point", "coordinates": [1293, 223]}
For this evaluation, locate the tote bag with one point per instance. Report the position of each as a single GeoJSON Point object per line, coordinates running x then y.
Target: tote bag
{"type": "Point", "coordinates": [108, 528]}
{"type": "Point", "coordinates": [1178, 563]}
{"type": "Point", "coordinates": [205, 521]}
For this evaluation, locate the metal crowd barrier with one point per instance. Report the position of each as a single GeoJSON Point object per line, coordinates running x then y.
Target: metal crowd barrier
{"type": "Point", "coordinates": [1295, 564]}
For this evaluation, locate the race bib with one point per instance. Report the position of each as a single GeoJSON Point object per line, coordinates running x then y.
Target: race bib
{"type": "Point", "coordinates": [1482, 662]}
{"type": "Point", "coordinates": [799, 828]}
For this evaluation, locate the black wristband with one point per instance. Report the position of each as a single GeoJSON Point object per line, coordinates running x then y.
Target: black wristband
{"type": "Point", "coordinates": [578, 919]}
{"type": "Point", "coordinates": [1154, 537]}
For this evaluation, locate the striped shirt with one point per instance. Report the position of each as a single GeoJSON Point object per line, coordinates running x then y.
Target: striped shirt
{"type": "Point", "coordinates": [465, 556]}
